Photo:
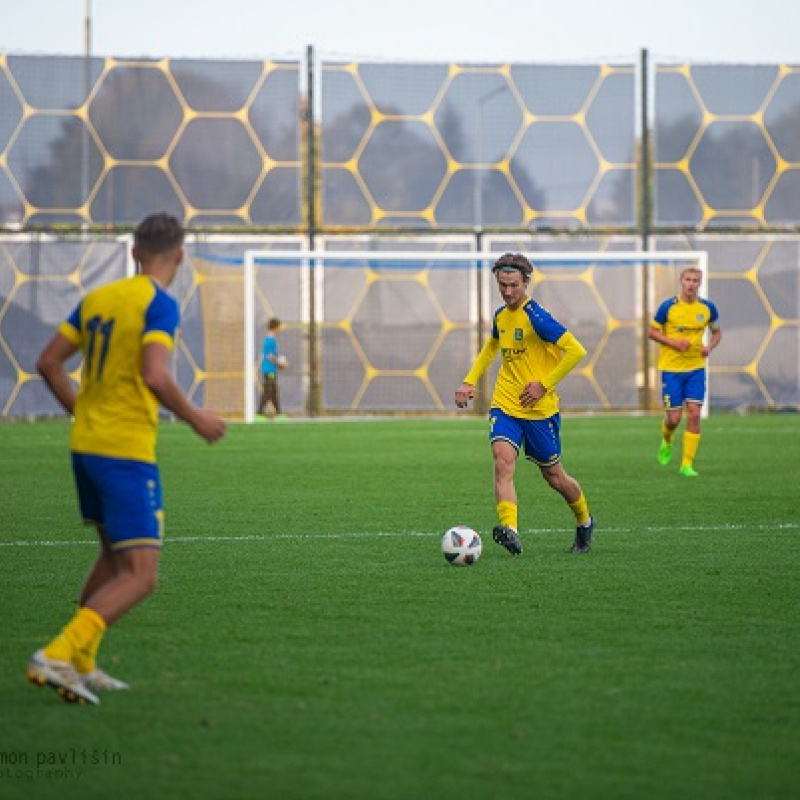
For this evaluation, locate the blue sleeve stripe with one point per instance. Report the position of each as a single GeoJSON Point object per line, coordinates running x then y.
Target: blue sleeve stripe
{"type": "Point", "coordinates": [663, 310]}
{"type": "Point", "coordinates": [547, 328]}
{"type": "Point", "coordinates": [162, 313]}
{"type": "Point", "coordinates": [495, 331]}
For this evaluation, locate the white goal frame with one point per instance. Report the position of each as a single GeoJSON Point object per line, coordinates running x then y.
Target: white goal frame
{"type": "Point", "coordinates": [312, 263]}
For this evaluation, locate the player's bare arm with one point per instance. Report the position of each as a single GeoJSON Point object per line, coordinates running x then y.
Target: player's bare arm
{"type": "Point", "coordinates": [52, 367]}
{"type": "Point", "coordinates": [677, 344]}
{"type": "Point", "coordinates": [158, 377]}
{"type": "Point", "coordinates": [716, 338]}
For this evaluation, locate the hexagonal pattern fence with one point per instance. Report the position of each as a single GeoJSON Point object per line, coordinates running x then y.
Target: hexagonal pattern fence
{"type": "Point", "coordinates": [106, 141]}
{"type": "Point", "coordinates": [103, 141]}
{"type": "Point", "coordinates": [395, 336]}
{"type": "Point", "coordinates": [400, 324]}
{"type": "Point", "coordinates": [727, 145]}
{"type": "Point", "coordinates": [400, 338]}
{"type": "Point", "coordinates": [447, 145]}
{"type": "Point", "coordinates": [43, 277]}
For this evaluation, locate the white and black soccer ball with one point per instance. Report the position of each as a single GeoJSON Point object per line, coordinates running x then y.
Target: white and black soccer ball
{"type": "Point", "coordinates": [461, 546]}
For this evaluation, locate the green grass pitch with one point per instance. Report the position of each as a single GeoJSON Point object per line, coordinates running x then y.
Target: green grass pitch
{"type": "Point", "coordinates": [308, 640]}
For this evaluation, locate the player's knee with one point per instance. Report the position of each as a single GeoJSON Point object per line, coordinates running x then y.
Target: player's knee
{"type": "Point", "coordinates": [146, 582]}
{"type": "Point", "coordinates": [552, 480]}
{"type": "Point", "coordinates": [560, 481]}
{"type": "Point", "coordinates": [503, 467]}
{"type": "Point", "coordinates": [142, 567]}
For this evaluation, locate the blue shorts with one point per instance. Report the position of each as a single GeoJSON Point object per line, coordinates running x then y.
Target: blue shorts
{"type": "Point", "coordinates": [678, 388]}
{"type": "Point", "coordinates": [123, 496]}
{"type": "Point", "coordinates": [540, 438]}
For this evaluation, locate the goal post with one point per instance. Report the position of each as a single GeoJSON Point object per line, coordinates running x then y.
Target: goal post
{"type": "Point", "coordinates": [377, 319]}
{"type": "Point", "coordinates": [394, 331]}
{"type": "Point", "coordinates": [275, 285]}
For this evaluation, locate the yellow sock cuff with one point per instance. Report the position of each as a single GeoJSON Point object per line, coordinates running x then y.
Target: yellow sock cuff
{"type": "Point", "coordinates": [92, 619]}
{"type": "Point", "coordinates": [76, 635]}
{"type": "Point", "coordinates": [666, 433]}
{"type": "Point", "coordinates": [507, 514]}
{"type": "Point", "coordinates": [580, 508]}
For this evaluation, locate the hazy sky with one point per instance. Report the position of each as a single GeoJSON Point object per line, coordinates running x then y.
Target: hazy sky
{"type": "Point", "coordinates": [726, 31]}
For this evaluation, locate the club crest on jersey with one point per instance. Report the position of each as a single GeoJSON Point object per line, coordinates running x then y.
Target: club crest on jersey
{"type": "Point", "coordinates": [518, 334]}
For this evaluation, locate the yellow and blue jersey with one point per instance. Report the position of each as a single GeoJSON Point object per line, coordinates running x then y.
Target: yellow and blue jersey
{"type": "Point", "coordinates": [527, 341]}
{"type": "Point", "coordinates": [678, 319]}
{"type": "Point", "coordinates": [116, 414]}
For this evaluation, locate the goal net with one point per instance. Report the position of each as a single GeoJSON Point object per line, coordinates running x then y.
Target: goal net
{"type": "Point", "coordinates": [395, 331]}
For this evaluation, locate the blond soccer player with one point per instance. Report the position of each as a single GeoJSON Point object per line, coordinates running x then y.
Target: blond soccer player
{"type": "Point", "coordinates": [679, 327]}
{"type": "Point", "coordinates": [536, 353]}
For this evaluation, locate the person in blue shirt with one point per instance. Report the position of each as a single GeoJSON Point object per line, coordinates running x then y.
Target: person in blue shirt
{"type": "Point", "coordinates": [271, 362]}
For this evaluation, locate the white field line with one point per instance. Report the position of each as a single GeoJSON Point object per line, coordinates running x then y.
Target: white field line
{"type": "Point", "coordinates": [260, 537]}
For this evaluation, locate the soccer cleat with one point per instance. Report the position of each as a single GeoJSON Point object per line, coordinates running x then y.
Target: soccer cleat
{"type": "Point", "coordinates": [99, 681]}
{"type": "Point", "coordinates": [689, 471]}
{"type": "Point", "coordinates": [61, 676]}
{"type": "Point", "coordinates": [583, 537]}
{"type": "Point", "coordinates": [508, 538]}
{"type": "Point", "coordinates": [664, 453]}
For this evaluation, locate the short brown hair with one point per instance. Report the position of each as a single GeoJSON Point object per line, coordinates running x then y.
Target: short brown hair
{"type": "Point", "coordinates": [158, 234]}
{"type": "Point", "coordinates": [513, 261]}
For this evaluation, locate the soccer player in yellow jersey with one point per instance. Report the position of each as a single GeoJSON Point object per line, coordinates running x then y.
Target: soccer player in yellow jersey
{"type": "Point", "coordinates": [679, 326]}
{"type": "Point", "coordinates": [125, 331]}
{"type": "Point", "coordinates": [536, 352]}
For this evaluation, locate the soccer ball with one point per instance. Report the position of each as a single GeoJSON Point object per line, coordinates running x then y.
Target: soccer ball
{"type": "Point", "coordinates": [461, 546]}
{"type": "Point", "coordinates": [282, 361]}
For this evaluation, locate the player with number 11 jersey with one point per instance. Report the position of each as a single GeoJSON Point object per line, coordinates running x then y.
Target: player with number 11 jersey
{"type": "Point", "coordinates": [116, 414]}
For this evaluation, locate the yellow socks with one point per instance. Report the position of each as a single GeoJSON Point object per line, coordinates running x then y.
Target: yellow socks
{"type": "Point", "coordinates": [666, 433]}
{"type": "Point", "coordinates": [580, 508]}
{"type": "Point", "coordinates": [507, 513]}
{"type": "Point", "coordinates": [690, 443]}
{"type": "Point", "coordinates": [85, 660]}
{"type": "Point", "coordinates": [77, 635]}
